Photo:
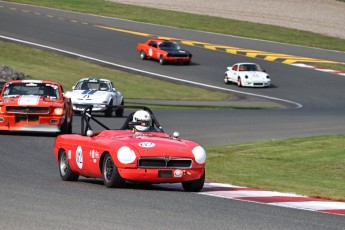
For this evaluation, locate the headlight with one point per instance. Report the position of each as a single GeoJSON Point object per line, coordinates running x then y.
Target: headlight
{"type": "Point", "coordinates": [199, 154]}
{"type": "Point", "coordinates": [246, 77]}
{"type": "Point", "coordinates": [58, 111]}
{"type": "Point", "coordinates": [268, 77]}
{"type": "Point", "coordinates": [126, 155]}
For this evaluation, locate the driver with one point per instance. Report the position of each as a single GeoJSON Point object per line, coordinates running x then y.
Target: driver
{"type": "Point", "coordinates": [145, 120]}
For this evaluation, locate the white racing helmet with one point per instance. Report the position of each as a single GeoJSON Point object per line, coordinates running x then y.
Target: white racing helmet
{"type": "Point", "coordinates": [144, 118]}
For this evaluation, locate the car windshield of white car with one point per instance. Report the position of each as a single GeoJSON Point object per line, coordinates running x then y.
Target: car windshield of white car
{"type": "Point", "coordinates": [99, 85]}
{"type": "Point", "coordinates": [250, 67]}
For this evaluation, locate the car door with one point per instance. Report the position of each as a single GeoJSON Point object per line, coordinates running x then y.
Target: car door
{"type": "Point", "coordinates": [234, 73]}
{"type": "Point", "coordinates": [153, 47]}
{"type": "Point", "coordinates": [77, 153]}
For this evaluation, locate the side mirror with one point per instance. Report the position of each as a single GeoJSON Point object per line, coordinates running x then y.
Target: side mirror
{"type": "Point", "coordinates": [229, 68]}
{"type": "Point", "coordinates": [73, 87]}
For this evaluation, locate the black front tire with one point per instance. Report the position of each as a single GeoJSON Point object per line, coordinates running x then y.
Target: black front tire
{"type": "Point", "coordinates": [64, 127]}
{"type": "Point", "coordinates": [162, 60]}
{"type": "Point", "coordinates": [111, 176]}
{"type": "Point", "coordinates": [194, 185]}
{"type": "Point", "coordinates": [109, 110]}
{"type": "Point", "coordinates": [119, 112]}
{"type": "Point", "coordinates": [239, 82]}
{"type": "Point", "coordinates": [65, 170]}
{"type": "Point", "coordinates": [143, 55]}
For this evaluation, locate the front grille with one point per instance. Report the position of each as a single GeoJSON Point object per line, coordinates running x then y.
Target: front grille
{"type": "Point", "coordinates": [164, 162]}
{"type": "Point", "coordinates": [26, 118]}
{"type": "Point", "coordinates": [179, 55]}
{"type": "Point", "coordinates": [258, 83]}
{"type": "Point", "coordinates": [27, 110]}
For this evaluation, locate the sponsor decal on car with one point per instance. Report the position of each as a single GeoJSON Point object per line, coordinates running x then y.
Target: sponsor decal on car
{"type": "Point", "coordinates": [147, 144]}
{"type": "Point", "coordinates": [28, 100]}
{"type": "Point", "coordinates": [94, 155]}
{"type": "Point", "coordinates": [79, 157]}
{"type": "Point", "coordinates": [178, 173]}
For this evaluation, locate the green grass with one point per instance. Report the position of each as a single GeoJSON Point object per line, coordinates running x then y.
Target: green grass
{"type": "Point", "coordinates": [39, 64]}
{"type": "Point", "coordinates": [312, 166]}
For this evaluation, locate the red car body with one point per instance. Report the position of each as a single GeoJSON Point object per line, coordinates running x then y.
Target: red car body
{"type": "Point", "coordinates": [35, 106]}
{"type": "Point", "coordinates": [163, 50]}
{"type": "Point", "coordinates": [123, 155]}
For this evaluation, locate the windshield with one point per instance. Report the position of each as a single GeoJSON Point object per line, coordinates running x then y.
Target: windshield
{"type": "Point", "coordinates": [250, 67]}
{"type": "Point", "coordinates": [93, 85]}
{"type": "Point", "coordinates": [38, 89]}
{"type": "Point", "coordinates": [168, 45]}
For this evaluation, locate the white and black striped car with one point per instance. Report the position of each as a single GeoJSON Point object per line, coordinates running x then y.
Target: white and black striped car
{"type": "Point", "coordinates": [101, 93]}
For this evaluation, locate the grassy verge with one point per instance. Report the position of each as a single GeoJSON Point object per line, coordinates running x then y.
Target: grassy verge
{"type": "Point", "coordinates": [41, 64]}
{"type": "Point", "coordinates": [312, 166]}
{"type": "Point", "coordinates": [193, 21]}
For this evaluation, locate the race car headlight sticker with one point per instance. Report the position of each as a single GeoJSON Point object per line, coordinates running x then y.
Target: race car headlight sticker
{"type": "Point", "coordinates": [58, 111]}
{"type": "Point", "coordinates": [126, 155]}
{"type": "Point", "coordinates": [199, 154]}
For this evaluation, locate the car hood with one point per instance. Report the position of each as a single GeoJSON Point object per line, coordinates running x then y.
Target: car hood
{"type": "Point", "coordinates": [86, 95]}
{"type": "Point", "coordinates": [153, 144]}
{"type": "Point", "coordinates": [31, 100]}
{"type": "Point", "coordinates": [175, 51]}
{"type": "Point", "coordinates": [254, 74]}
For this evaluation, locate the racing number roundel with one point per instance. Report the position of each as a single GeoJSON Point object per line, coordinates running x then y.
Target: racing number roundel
{"type": "Point", "coordinates": [79, 157]}
{"type": "Point", "coordinates": [150, 52]}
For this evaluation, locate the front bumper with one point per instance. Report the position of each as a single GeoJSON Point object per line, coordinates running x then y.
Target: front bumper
{"type": "Point", "coordinates": [256, 84]}
{"type": "Point", "coordinates": [150, 175]}
{"type": "Point", "coordinates": [95, 108]}
{"type": "Point", "coordinates": [31, 123]}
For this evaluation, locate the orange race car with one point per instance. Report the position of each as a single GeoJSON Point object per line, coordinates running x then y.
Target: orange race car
{"type": "Point", "coordinates": [163, 50]}
{"type": "Point", "coordinates": [35, 106]}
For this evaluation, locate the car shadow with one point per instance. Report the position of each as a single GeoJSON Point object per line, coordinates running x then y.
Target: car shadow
{"type": "Point", "coordinates": [140, 186]}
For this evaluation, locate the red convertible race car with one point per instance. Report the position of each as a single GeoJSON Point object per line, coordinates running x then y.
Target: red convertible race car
{"type": "Point", "coordinates": [35, 106]}
{"type": "Point", "coordinates": [139, 151]}
{"type": "Point", "coordinates": [163, 50]}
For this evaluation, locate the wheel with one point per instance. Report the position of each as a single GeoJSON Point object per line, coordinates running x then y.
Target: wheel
{"type": "Point", "coordinates": [119, 112]}
{"type": "Point", "coordinates": [64, 168]}
{"type": "Point", "coordinates": [162, 60]}
{"type": "Point", "coordinates": [109, 110]}
{"type": "Point", "coordinates": [111, 176]}
{"type": "Point", "coordinates": [239, 82]}
{"type": "Point", "coordinates": [194, 185]}
{"type": "Point", "coordinates": [226, 81]}
{"type": "Point", "coordinates": [64, 127]}
{"type": "Point", "coordinates": [70, 126]}
{"type": "Point", "coordinates": [143, 55]}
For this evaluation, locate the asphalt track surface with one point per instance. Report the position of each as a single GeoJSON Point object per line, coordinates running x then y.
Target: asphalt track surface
{"type": "Point", "coordinates": [34, 197]}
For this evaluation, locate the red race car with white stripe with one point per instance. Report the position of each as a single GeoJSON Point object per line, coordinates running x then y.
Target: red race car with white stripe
{"type": "Point", "coordinates": [126, 154]}
{"type": "Point", "coordinates": [35, 106]}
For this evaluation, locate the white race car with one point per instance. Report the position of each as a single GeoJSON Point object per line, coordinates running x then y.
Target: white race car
{"type": "Point", "coordinates": [247, 74]}
{"type": "Point", "coordinates": [97, 92]}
